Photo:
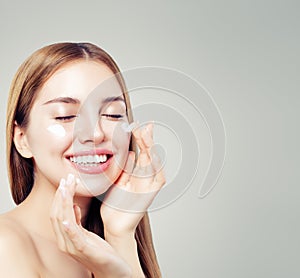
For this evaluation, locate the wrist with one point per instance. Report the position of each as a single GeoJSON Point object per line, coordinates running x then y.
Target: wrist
{"type": "Point", "coordinates": [114, 268]}
{"type": "Point", "coordinates": [121, 241]}
{"type": "Point", "coordinates": [127, 248]}
{"type": "Point", "coordinates": [124, 274]}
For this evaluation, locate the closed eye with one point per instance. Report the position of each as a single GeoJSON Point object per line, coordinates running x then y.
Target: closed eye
{"type": "Point", "coordinates": [113, 116]}
{"type": "Point", "coordinates": [65, 118]}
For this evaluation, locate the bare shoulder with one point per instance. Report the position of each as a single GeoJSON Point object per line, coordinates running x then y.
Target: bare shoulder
{"type": "Point", "coordinates": [12, 233]}
{"type": "Point", "coordinates": [16, 249]}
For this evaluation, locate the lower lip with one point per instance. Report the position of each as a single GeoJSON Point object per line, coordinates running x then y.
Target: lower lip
{"type": "Point", "coordinates": [92, 170]}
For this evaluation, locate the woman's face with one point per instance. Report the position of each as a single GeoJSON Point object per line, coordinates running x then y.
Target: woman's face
{"type": "Point", "coordinates": [75, 126]}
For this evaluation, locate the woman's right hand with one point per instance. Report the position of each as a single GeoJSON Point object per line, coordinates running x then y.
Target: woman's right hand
{"type": "Point", "coordinates": [86, 247]}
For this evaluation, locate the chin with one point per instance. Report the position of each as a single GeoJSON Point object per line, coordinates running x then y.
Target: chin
{"type": "Point", "coordinates": [93, 185]}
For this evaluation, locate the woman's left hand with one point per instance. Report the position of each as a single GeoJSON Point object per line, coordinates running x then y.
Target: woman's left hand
{"type": "Point", "coordinates": [129, 198]}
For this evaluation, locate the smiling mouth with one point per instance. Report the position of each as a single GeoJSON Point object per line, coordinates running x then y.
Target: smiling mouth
{"type": "Point", "coordinates": [90, 160]}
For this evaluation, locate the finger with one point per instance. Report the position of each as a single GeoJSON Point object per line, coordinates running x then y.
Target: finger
{"type": "Point", "coordinates": [74, 236]}
{"type": "Point", "coordinates": [145, 161]}
{"type": "Point", "coordinates": [56, 215]}
{"type": "Point", "coordinates": [137, 136]}
{"type": "Point", "coordinates": [68, 214]}
{"type": "Point", "coordinates": [143, 167]}
{"type": "Point", "coordinates": [159, 178]}
{"type": "Point", "coordinates": [155, 160]}
{"type": "Point", "coordinates": [124, 178]}
{"type": "Point", "coordinates": [77, 212]}
{"type": "Point", "coordinates": [144, 136]}
{"type": "Point", "coordinates": [147, 136]}
{"type": "Point", "coordinates": [67, 205]}
{"type": "Point", "coordinates": [143, 158]}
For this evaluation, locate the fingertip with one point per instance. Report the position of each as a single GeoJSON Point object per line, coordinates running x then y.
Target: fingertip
{"type": "Point", "coordinates": [151, 125]}
{"type": "Point", "coordinates": [62, 182]}
{"type": "Point", "coordinates": [70, 179]}
{"type": "Point", "coordinates": [62, 188]}
{"type": "Point", "coordinates": [131, 155]}
{"type": "Point", "coordinates": [147, 136]}
{"type": "Point", "coordinates": [71, 183]}
{"type": "Point", "coordinates": [76, 207]}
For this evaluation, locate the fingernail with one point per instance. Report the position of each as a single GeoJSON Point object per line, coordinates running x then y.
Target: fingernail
{"type": "Point", "coordinates": [70, 179]}
{"type": "Point", "coordinates": [62, 182]}
{"type": "Point", "coordinates": [77, 180]}
{"type": "Point", "coordinates": [66, 224]}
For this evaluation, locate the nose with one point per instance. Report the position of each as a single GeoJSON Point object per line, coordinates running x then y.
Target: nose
{"type": "Point", "coordinates": [88, 130]}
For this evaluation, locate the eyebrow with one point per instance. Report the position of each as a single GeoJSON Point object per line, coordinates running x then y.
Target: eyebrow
{"type": "Point", "coordinates": [112, 99]}
{"type": "Point", "coordinates": [63, 100]}
{"type": "Point", "coordinates": [77, 101]}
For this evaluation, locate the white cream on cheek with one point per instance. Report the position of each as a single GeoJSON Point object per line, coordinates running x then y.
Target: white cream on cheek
{"type": "Point", "coordinates": [57, 129]}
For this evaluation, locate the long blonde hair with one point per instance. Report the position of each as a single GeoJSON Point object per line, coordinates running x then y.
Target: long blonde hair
{"type": "Point", "coordinates": [29, 79]}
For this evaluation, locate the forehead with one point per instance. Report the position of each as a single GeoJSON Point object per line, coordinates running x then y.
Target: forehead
{"type": "Point", "coordinates": [82, 80]}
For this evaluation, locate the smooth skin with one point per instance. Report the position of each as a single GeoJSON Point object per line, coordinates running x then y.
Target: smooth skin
{"type": "Point", "coordinates": [119, 250]}
{"type": "Point", "coordinates": [114, 257]}
{"type": "Point", "coordinates": [44, 237]}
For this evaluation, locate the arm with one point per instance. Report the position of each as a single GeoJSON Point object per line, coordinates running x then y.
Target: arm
{"type": "Point", "coordinates": [126, 247]}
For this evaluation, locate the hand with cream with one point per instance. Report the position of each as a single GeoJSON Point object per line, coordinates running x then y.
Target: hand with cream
{"type": "Point", "coordinates": [128, 200]}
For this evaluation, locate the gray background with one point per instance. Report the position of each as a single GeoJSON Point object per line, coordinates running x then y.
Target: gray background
{"type": "Point", "coordinates": [246, 54]}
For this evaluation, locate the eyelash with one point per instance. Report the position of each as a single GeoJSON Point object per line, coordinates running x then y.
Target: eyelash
{"type": "Point", "coordinates": [65, 118]}
{"type": "Point", "coordinates": [113, 116]}
{"type": "Point", "coordinates": [69, 118]}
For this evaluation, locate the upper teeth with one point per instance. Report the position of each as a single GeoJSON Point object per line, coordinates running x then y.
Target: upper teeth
{"type": "Point", "coordinates": [89, 158]}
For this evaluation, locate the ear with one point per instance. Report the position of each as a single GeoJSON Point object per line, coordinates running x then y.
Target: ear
{"type": "Point", "coordinates": [21, 142]}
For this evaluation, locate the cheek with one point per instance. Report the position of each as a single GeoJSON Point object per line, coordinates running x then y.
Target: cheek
{"type": "Point", "coordinates": [50, 138]}
{"type": "Point", "coordinates": [116, 133]}
{"type": "Point", "coordinates": [60, 135]}
{"type": "Point", "coordinates": [120, 140]}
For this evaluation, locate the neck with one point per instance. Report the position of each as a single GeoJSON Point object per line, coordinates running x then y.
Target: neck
{"type": "Point", "coordinates": [36, 208]}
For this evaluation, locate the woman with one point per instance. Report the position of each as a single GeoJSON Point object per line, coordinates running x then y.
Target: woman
{"type": "Point", "coordinates": [66, 145]}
